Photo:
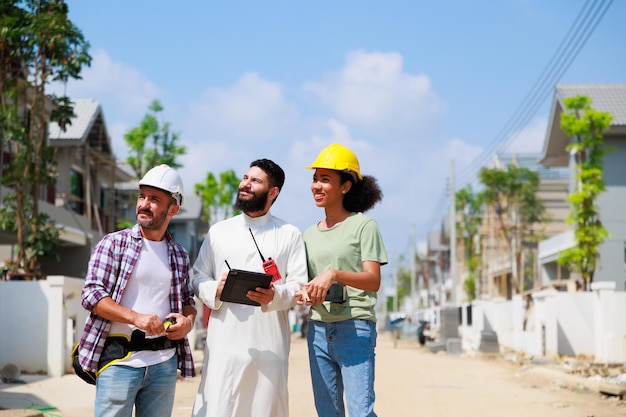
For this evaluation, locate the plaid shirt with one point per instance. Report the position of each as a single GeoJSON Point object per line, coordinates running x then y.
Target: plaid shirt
{"type": "Point", "coordinates": [110, 267]}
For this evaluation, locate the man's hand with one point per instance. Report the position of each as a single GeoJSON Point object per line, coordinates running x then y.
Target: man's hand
{"type": "Point", "coordinates": [149, 323]}
{"type": "Point", "coordinates": [303, 297]}
{"type": "Point", "coordinates": [180, 328]}
{"type": "Point", "coordinates": [220, 285]}
{"type": "Point", "coordinates": [262, 295]}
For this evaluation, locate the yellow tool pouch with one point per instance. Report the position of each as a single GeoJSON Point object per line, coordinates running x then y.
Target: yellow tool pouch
{"type": "Point", "coordinates": [118, 348]}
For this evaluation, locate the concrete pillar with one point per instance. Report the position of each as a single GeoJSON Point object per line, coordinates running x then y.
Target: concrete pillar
{"type": "Point", "coordinates": [56, 326]}
{"type": "Point", "coordinates": [603, 337]}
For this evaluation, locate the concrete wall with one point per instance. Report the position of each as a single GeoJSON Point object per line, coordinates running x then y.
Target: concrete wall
{"type": "Point", "coordinates": [43, 316]}
{"type": "Point", "coordinates": [43, 320]}
{"type": "Point", "coordinates": [557, 323]}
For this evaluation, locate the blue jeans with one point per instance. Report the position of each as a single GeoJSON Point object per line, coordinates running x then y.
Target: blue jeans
{"type": "Point", "coordinates": [149, 389]}
{"type": "Point", "coordinates": [341, 356]}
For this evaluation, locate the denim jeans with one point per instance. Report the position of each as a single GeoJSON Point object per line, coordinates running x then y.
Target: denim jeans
{"type": "Point", "coordinates": [341, 356]}
{"type": "Point", "coordinates": [149, 389]}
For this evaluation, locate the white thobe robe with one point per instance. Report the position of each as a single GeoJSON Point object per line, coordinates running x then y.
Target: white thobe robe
{"type": "Point", "coordinates": [245, 365]}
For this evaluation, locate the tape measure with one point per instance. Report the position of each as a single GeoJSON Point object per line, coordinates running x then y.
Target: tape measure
{"type": "Point", "coordinates": [168, 322]}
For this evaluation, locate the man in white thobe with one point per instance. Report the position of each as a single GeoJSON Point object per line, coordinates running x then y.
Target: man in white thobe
{"type": "Point", "coordinates": [245, 365]}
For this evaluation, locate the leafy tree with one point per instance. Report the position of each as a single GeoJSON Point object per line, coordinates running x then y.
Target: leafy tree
{"type": "Point", "coordinates": [153, 143]}
{"type": "Point", "coordinates": [512, 194]}
{"type": "Point", "coordinates": [469, 212]}
{"type": "Point", "coordinates": [218, 196]}
{"type": "Point", "coordinates": [585, 127]}
{"type": "Point", "coordinates": [38, 45]}
{"type": "Point", "coordinates": [403, 289]}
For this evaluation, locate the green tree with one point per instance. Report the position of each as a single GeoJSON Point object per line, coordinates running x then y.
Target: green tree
{"type": "Point", "coordinates": [153, 143]}
{"type": "Point", "coordinates": [469, 218]}
{"type": "Point", "coordinates": [585, 127]}
{"type": "Point", "coordinates": [513, 195]}
{"type": "Point", "coordinates": [38, 45]}
{"type": "Point", "coordinates": [218, 196]}
{"type": "Point", "coordinates": [403, 289]}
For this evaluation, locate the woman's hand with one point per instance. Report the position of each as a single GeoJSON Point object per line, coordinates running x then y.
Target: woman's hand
{"type": "Point", "coordinates": [318, 286]}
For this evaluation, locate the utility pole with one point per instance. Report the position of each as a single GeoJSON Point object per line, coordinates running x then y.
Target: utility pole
{"type": "Point", "coordinates": [395, 284]}
{"type": "Point", "coordinates": [453, 278]}
{"type": "Point", "coordinates": [412, 270]}
{"type": "Point", "coordinates": [383, 307]}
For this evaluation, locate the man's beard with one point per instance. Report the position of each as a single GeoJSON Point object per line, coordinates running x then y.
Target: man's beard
{"type": "Point", "coordinates": [255, 203]}
{"type": "Point", "coordinates": [155, 223]}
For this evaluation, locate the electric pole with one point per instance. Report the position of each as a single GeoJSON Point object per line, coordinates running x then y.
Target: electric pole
{"type": "Point", "coordinates": [453, 279]}
{"type": "Point", "coordinates": [412, 270]}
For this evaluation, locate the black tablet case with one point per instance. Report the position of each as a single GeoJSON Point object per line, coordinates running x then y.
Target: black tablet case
{"type": "Point", "coordinates": [239, 282]}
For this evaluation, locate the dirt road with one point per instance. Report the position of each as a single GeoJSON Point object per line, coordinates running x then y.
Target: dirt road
{"type": "Point", "coordinates": [410, 381]}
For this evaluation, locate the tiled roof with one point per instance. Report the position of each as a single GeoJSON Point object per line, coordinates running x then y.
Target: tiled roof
{"type": "Point", "coordinates": [609, 98]}
{"type": "Point", "coordinates": [86, 111]}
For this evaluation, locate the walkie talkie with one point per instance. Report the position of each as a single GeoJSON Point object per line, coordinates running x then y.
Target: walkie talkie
{"type": "Point", "coordinates": [269, 266]}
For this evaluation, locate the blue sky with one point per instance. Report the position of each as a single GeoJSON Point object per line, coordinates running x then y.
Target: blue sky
{"type": "Point", "coordinates": [409, 86]}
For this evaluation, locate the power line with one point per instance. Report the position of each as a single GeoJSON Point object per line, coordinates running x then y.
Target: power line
{"type": "Point", "coordinates": [575, 39]}
{"type": "Point", "coordinates": [564, 65]}
{"type": "Point", "coordinates": [587, 20]}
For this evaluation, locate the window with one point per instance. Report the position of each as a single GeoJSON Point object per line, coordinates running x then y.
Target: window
{"type": "Point", "coordinates": [77, 192]}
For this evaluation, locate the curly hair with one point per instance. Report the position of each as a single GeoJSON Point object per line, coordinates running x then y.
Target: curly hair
{"type": "Point", "coordinates": [363, 195]}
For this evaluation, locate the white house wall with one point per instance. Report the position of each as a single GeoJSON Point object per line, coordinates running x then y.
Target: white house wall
{"type": "Point", "coordinates": [613, 215]}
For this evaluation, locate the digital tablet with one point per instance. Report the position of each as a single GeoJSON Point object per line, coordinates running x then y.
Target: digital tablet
{"type": "Point", "coordinates": [239, 282]}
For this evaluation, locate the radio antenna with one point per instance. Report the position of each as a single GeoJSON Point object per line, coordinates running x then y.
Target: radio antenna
{"type": "Point", "coordinates": [257, 246]}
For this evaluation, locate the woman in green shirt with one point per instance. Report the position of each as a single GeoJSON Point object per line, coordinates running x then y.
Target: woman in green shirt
{"type": "Point", "coordinates": [345, 251]}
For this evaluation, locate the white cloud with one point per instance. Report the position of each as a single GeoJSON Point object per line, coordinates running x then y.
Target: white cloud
{"type": "Point", "coordinates": [123, 92]}
{"type": "Point", "coordinates": [228, 127]}
{"type": "Point", "coordinates": [372, 93]}
{"type": "Point", "coordinates": [252, 110]}
{"type": "Point", "coordinates": [530, 139]}
{"type": "Point", "coordinates": [121, 88]}
{"type": "Point", "coordinates": [117, 130]}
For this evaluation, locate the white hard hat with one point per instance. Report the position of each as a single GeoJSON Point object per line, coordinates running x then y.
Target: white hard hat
{"type": "Point", "coordinates": [167, 179]}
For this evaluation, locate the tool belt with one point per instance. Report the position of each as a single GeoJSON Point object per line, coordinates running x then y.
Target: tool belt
{"type": "Point", "coordinates": [117, 348]}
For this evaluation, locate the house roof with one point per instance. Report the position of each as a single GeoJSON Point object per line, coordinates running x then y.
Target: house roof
{"type": "Point", "coordinates": [609, 98]}
{"type": "Point", "coordinates": [87, 124]}
{"type": "Point", "coordinates": [191, 208]}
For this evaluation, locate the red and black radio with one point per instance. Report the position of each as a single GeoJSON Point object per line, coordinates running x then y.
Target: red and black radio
{"type": "Point", "coordinates": [269, 266]}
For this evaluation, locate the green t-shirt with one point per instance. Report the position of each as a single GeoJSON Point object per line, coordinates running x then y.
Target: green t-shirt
{"type": "Point", "coordinates": [345, 247]}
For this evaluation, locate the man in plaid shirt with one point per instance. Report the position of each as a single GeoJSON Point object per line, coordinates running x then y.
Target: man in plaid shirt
{"type": "Point", "coordinates": [141, 307]}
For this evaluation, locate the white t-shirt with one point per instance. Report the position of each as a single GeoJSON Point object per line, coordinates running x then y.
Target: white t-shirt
{"type": "Point", "coordinates": [147, 292]}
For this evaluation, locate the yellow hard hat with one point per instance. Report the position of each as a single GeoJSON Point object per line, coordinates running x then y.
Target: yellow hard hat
{"type": "Point", "coordinates": [338, 158]}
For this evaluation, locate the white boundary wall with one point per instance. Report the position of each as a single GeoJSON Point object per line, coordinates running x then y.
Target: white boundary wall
{"type": "Point", "coordinates": [42, 321]}
{"type": "Point", "coordinates": [558, 324]}
{"type": "Point", "coordinates": [43, 317]}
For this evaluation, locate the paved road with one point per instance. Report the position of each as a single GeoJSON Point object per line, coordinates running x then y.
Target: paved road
{"type": "Point", "coordinates": [410, 381]}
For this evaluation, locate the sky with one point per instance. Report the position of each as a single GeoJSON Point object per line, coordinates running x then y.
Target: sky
{"type": "Point", "coordinates": [419, 90]}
